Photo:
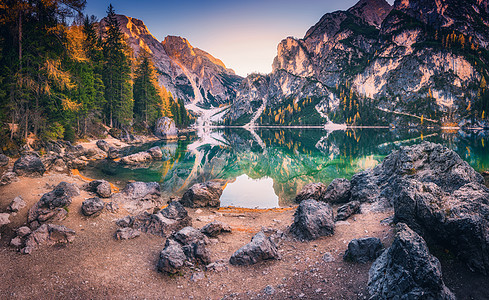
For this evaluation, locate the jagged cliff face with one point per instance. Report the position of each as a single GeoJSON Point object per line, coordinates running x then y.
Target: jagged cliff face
{"type": "Point", "coordinates": [188, 73]}
{"type": "Point", "coordinates": [212, 82]}
{"type": "Point", "coordinates": [424, 57]}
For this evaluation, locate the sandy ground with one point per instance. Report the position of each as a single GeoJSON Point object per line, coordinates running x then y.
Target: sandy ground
{"type": "Point", "coordinates": [96, 266]}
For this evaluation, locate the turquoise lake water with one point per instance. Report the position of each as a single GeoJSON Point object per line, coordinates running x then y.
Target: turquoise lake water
{"type": "Point", "coordinates": [268, 167]}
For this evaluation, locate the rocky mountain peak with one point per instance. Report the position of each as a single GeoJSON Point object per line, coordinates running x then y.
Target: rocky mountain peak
{"type": "Point", "coordinates": [373, 12]}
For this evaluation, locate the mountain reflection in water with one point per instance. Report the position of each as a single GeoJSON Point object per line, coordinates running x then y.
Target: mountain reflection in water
{"type": "Point", "coordinates": [290, 158]}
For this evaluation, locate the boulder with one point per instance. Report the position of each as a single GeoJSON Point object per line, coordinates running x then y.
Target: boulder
{"type": "Point", "coordinates": [437, 194]}
{"type": "Point", "coordinates": [48, 235]}
{"type": "Point", "coordinates": [103, 145]}
{"type": "Point", "coordinates": [101, 187]}
{"type": "Point", "coordinates": [16, 242]}
{"type": "Point", "coordinates": [311, 191]}
{"type": "Point", "coordinates": [163, 223]}
{"type": "Point", "coordinates": [166, 129]}
{"type": "Point", "coordinates": [8, 178]}
{"type": "Point", "coordinates": [136, 158]}
{"type": "Point", "coordinates": [313, 219]}
{"type": "Point", "coordinates": [205, 194]}
{"type": "Point", "coordinates": [92, 206]}
{"type": "Point", "coordinates": [3, 160]}
{"type": "Point", "coordinates": [346, 210]}
{"type": "Point", "coordinates": [407, 270]}
{"type": "Point", "coordinates": [189, 241]}
{"type": "Point", "coordinates": [260, 248]}
{"type": "Point", "coordinates": [215, 228]}
{"type": "Point", "coordinates": [113, 153]}
{"type": "Point", "coordinates": [4, 219]}
{"type": "Point", "coordinates": [51, 205]}
{"type": "Point", "coordinates": [363, 250]}
{"type": "Point", "coordinates": [16, 204]}
{"type": "Point", "coordinates": [338, 191]}
{"type": "Point", "coordinates": [23, 231]}
{"type": "Point", "coordinates": [172, 258]}
{"type": "Point", "coordinates": [126, 233]}
{"type": "Point", "coordinates": [137, 197]}
{"type": "Point", "coordinates": [29, 165]}
{"type": "Point", "coordinates": [155, 152]}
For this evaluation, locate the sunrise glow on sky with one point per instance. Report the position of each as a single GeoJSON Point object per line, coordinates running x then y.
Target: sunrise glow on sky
{"type": "Point", "coordinates": [243, 34]}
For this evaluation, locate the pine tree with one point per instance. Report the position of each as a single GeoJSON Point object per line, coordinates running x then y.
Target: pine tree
{"type": "Point", "coordinates": [117, 75]}
{"type": "Point", "coordinates": [147, 100]}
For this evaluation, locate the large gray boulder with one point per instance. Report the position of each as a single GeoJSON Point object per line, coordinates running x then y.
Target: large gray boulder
{"type": "Point", "coordinates": [170, 219]}
{"type": "Point", "coordinates": [338, 191]}
{"type": "Point", "coordinates": [137, 197]}
{"type": "Point", "coordinates": [142, 157]}
{"type": "Point", "coordinates": [205, 194]}
{"type": "Point", "coordinates": [185, 247]}
{"type": "Point", "coordinates": [259, 249]}
{"type": "Point", "coordinates": [103, 145]}
{"type": "Point", "coordinates": [166, 129]}
{"type": "Point", "coordinates": [48, 235]}
{"type": "Point", "coordinates": [407, 270]}
{"type": "Point", "coordinates": [313, 219]}
{"type": "Point", "coordinates": [311, 191]}
{"type": "Point", "coordinates": [437, 194]}
{"type": "Point", "coordinates": [29, 165]}
{"type": "Point", "coordinates": [363, 250]}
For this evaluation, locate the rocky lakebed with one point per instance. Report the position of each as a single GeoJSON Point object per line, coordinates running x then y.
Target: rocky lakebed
{"type": "Point", "coordinates": [415, 226]}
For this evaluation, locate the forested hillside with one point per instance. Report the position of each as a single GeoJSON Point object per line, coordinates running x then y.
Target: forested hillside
{"type": "Point", "coordinates": [64, 77]}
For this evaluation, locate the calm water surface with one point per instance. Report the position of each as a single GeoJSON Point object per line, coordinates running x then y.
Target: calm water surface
{"type": "Point", "coordinates": [267, 168]}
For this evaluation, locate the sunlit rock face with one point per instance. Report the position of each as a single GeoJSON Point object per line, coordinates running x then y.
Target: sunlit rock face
{"type": "Point", "coordinates": [409, 57]}
{"type": "Point", "coordinates": [188, 73]}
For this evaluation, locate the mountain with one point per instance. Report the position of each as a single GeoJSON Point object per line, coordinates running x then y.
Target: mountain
{"type": "Point", "coordinates": [188, 73]}
{"type": "Point", "coordinates": [418, 61]}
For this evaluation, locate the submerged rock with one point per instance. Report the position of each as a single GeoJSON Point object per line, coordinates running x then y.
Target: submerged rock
{"type": "Point", "coordinates": [259, 249]}
{"type": "Point", "coordinates": [166, 129]}
{"type": "Point", "coordinates": [313, 219]}
{"type": "Point", "coordinates": [363, 250]}
{"type": "Point", "coordinates": [311, 191]}
{"type": "Point", "coordinates": [29, 165]}
{"type": "Point", "coordinates": [338, 191]}
{"type": "Point", "coordinates": [407, 270]}
{"type": "Point", "coordinates": [206, 194]}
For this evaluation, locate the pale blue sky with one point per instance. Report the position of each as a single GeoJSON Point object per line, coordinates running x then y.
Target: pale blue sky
{"type": "Point", "coordinates": [243, 34]}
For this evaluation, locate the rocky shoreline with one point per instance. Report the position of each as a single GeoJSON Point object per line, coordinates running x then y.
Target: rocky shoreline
{"type": "Point", "coordinates": [437, 200]}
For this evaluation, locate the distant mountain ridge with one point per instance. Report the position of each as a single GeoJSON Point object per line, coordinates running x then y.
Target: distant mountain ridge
{"type": "Point", "coordinates": [377, 64]}
{"type": "Point", "coordinates": [188, 73]}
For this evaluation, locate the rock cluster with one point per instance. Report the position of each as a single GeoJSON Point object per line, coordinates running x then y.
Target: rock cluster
{"type": "Point", "coordinates": [260, 248]}
{"type": "Point", "coordinates": [407, 270]}
{"type": "Point", "coordinates": [184, 248]}
{"type": "Point", "coordinates": [52, 205]}
{"type": "Point", "coordinates": [172, 218]}
{"type": "Point", "coordinates": [205, 194]}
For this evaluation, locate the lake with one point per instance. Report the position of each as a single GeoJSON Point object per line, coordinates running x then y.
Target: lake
{"type": "Point", "coordinates": [266, 168]}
